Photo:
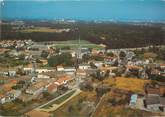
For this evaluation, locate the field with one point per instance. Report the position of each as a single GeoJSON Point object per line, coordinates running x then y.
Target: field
{"type": "Point", "coordinates": [76, 44]}
{"type": "Point", "coordinates": [42, 29]}
{"type": "Point", "coordinates": [113, 35]}
{"type": "Point", "coordinates": [131, 84]}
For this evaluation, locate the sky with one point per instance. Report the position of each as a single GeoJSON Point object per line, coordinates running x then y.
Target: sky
{"type": "Point", "coordinates": [143, 10]}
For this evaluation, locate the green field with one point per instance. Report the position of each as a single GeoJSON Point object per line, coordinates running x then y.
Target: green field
{"type": "Point", "coordinates": [76, 44]}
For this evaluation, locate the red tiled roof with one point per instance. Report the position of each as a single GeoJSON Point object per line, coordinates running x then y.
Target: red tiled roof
{"type": "Point", "coordinates": [52, 87]}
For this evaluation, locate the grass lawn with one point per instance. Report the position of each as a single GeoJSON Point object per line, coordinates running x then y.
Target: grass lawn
{"type": "Point", "coordinates": [74, 44]}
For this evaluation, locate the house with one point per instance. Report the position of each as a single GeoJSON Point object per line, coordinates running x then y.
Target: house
{"type": "Point", "coordinates": [82, 73]}
{"type": "Point", "coordinates": [69, 70]}
{"type": "Point", "coordinates": [43, 76]}
{"type": "Point", "coordinates": [63, 80]}
{"type": "Point", "coordinates": [97, 63]}
{"type": "Point", "coordinates": [110, 69]}
{"type": "Point", "coordinates": [150, 90]}
{"type": "Point", "coordinates": [130, 55]}
{"type": "Point", "coordinates": [44, 62]}
{"type": "Point", "coordinates": [52, 87]}
{"type": "Point", "coordinates": [133, 67]}
{"type": "Point", "coordinates": [84, 66]}
{"type": "Point", "coordinates": [60, 68]}
{"type": "Point", "coordinates": [25, 97]}
{"type": "Point", "coordinates": [4, 74]}
{"type": "Point", "coordinates": [28, 70]}
{"type": "Point", "coordinates": [159, 89]}
{"type": "Point", "coordinates": [37, 88]}
{"type": "Point", "coordinates": [152, 102]}
{"type": "Point", "coordinates": [133, 100]}
{"type": "Point", "coordinates": [10, 96]}
{"type": "Point", "coordinates": [12, 73]}
{"type": "Point", "coordinates": [162, 66]}
{"type": "Point", "coordinates": [8, 73]}
{"type": "Point", "coordinates": [44, 70]}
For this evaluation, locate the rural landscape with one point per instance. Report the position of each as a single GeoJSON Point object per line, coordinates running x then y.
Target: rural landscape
{"type": "Point", "coordinates": [80, 68]}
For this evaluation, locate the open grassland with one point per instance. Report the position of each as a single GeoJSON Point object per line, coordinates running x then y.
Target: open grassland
{"type": "Point", "coordinates": [131, 84]}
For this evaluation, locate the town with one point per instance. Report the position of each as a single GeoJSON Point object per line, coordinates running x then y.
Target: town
{"type": "Point", "coordinates": [50, 79]}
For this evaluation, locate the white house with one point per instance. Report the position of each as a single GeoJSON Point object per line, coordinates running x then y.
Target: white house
{"type": "Point", "coordinates": [36, 88]}
{"type": "Point", "coordinates": [44, 70]}
{"type": "Point", "coordinates": [69, 70]}
{"type": "Point", "coordinates": [84, 66]}
{"type": "Point", "coordinates": [60, 68]}
{"type": "Point", "coordinates": [10, 96]}
{"type": "Point", "coordinates": [43, 76]}
{"type": "Point", "coordinates": [12, 73]}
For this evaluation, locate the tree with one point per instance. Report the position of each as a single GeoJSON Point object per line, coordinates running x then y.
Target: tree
{"type": "Point", "coordinates": [86, 57]}
{"type": "Point", "coordinates": [86, 86]}
{"type": "Point", "coordinates": [110, 54]}
{"type": "Point", "coordinates": [107, 73]}
{"type": "Point", "coordinates": [93, 66]}
{"type": "Point", "coordinates": [64, 58]}
{"type": "Point", "coordinates": [44, 54]}
{"type": "Point", "coordinates": [70, 108]}
{"type": "Point", "coordinates": [98, 58]}
{"type": "Point", "coordinates": [122, 55]}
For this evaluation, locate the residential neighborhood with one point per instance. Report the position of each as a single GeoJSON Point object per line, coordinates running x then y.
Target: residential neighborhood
{"type": "Point", "coordinates": [37, 78]}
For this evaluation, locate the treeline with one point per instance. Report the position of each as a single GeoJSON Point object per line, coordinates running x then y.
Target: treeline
{"type": "Point", "coordinates": [111, 34]}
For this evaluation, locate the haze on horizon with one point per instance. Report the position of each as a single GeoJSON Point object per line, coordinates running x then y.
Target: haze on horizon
{"type": "Point", "coordinates": [114, 10]}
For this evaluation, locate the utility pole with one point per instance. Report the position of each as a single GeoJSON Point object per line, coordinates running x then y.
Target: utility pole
{"type": "Point", "coordinates": [78, 54]}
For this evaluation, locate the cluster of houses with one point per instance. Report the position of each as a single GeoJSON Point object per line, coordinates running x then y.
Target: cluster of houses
{"type": "Point", "coordinates": [15, 43]}
{"type": "Point", "coordinates": [153, 100]}
{"type": "Point", "coordinates": [35, 89]}
{"type": "Point", "coordinates": [7, 94]}
{"type": "Point", "coordinates": [50, 79]}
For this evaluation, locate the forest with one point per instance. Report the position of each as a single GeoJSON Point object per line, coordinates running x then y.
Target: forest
{"type": "Point", "coordinates": [113, 35]}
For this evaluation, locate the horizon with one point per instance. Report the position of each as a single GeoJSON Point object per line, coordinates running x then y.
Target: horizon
{"type": "Point", "coordinates": [100, 10]}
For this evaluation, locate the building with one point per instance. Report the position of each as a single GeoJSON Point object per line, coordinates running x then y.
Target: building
{"type": "Point", "coordinates": [154, 102]}
{"type": "Point", "coordinates": [12, 73]}
{"type": "Point", "coordinates": [60, 68]}
{"type": "Point", "coordinates": [69, 70]}
{"type": "Point", "coordinates": [81, 73]}
{"type": "Point", "coordinates": [52, 87]}
{"type": "Point", "coordinates": [43, 76]}
{"type": "Point", "coordinates": [133, 100]}
{"type": "Point", "coordinates": [44, 70]}
{"type": "Point", "coordinates": [10, 96]}
{"type": "Point", "coordinates": [37, 88]}
{"type": "Point", "coordinates": [63, 80]}
{"type": "Point", "coordinates": [84, 66]}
